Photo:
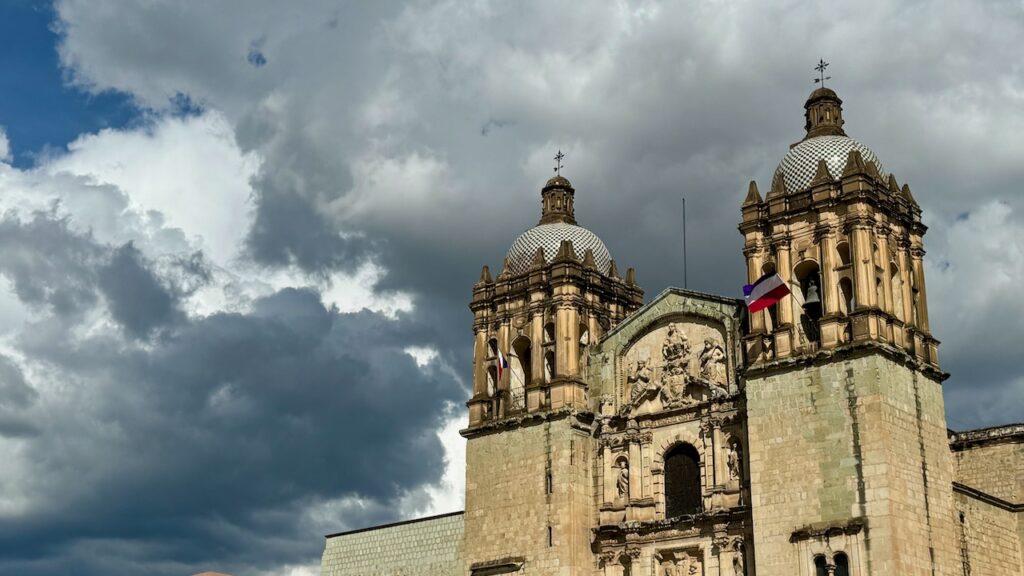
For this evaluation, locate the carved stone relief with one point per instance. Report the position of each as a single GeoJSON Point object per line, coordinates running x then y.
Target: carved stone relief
{"type": "Point", "coordinates": [664, 370]}
{"type": "Point", "coordinates": [689, 562]}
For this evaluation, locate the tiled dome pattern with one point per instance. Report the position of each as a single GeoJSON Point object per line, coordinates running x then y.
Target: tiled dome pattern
{"type": "Point", "coordinates": [801, 162]}
{"type": "Point", "coordinates": [549, 237]}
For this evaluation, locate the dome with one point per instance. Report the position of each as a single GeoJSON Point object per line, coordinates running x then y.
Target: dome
{"type": "Point", "coordinates": [549, 237]}
{"type": "Point", "coordinates": [558, 181]}
{"type": "Point", "coordinates": [801, 162]}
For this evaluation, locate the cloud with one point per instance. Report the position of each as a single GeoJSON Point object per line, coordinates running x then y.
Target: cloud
{"type": "Point", "coordinates": [5, 147]}
{"type": "Point", "coordinates": [183, 393]}
{"type": "Point", "coordinates": [296, 166]}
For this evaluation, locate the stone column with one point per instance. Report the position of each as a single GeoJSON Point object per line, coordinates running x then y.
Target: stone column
{"type": "Point", "coordinates": [755, 260]}
{"type": "Point", "coordinates": [917, 257]}
{"type": "Point", "coordinates": [479, 362]}
{"type": "Point", "coordinates": [785, 270]}
{"type": "Point", "coordinates": [609, 492]}
{"type": "Point", "coordinates": [827, 260]}
{"type": "Point", "coordinates": [883, 252]}
{"type": "Point", "coordinates": [903, 255]}
{"type": "Point", "coordinates": [635, 469]}
{"type": "Point", "coordinates": [863, 264]}
{"type": "Point", "coordinates": [536, 339]}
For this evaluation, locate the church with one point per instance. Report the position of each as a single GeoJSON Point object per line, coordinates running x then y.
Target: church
{"type": "Point", "coordinates": [689, 437]}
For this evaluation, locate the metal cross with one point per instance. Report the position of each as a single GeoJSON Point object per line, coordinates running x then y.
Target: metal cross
{"type": "Point", "coordinates": [821, 70]}
{"type": "Point", "coordinates": [558, 163]}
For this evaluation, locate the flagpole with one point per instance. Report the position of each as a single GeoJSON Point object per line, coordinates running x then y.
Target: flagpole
{"type": "Point", "coordinates": [685, 279]}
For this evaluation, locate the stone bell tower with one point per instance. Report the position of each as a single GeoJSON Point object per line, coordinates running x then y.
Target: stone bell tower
{"type": "Point", "coordinates": [849, 463]}
{"type": "Point", "coordinates": [528, 482]}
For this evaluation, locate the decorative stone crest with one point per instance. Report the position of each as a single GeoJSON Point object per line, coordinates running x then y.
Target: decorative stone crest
{"type": "Point", "coordinates": [683, 377]}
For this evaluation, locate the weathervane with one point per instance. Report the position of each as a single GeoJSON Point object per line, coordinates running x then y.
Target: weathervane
{"type": "Point", "coordinates": [821, 71]}
{"type": "Point", "coordinates": [558, 163]}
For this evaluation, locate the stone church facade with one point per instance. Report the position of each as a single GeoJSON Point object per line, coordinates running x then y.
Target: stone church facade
{"type": "Point", "coordinates": [687, 437]}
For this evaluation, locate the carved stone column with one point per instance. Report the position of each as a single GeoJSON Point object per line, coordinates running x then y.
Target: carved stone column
{"type": "Point", "coordinates": [863, 263]}
{"type": "Point", "coordinates": [882, 234]}
{"type": "Point", "coordinates": [917, 258]}
{"type": "Point", "coordinates": [635, 468]}
{"type": "Point", "coordinates": [755, 261]}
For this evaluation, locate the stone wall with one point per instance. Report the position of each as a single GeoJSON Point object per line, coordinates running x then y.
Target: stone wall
{"type": "Point", "coordinates": [992, 460]}
{"type": "Point", "coordinates": [427, 547]}
{"type": "Point", "coordinates": [856, 446]}
{"type": "Point", "coordinates": [528, 497]}
{"type": "Point", "coordinates": [991, 544]}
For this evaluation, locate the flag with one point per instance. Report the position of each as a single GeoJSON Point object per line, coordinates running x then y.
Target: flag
{"type": "Point", "coordinates": [502, 364]}
{"type": "Point", "coordinates": [768, 290]}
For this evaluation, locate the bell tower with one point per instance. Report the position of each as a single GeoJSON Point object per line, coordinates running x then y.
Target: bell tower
{"type": "Point", "coordinates": [847, 238]}
{"type": "Point", "coordinates": [849, 461]}
{"type": "Point", "coordinates": [528, 482]}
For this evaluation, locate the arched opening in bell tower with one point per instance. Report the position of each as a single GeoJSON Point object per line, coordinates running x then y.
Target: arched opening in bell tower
{"type": "Point", "coordinates": [520, 372]}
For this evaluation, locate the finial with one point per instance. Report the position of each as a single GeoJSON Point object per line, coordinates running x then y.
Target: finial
{"type": "Point", "coordinates": [631, 277]}
{"type": "Point", "coordinates": [613, 270]}
{"type": "Point", "coordinates": [821, 175]}
{"type": "Point", "coordinates": [566, 253]}
{"type": "Point", "coordinates": [753, 195]}
{"type": "Point", "coordinates": [558, 163]}
{"type": "Point", "coordinates": [485, 275]}
{"type": "Point", "coordinates": [538, 259]}
{"type": "Point", "coordinates": [821, 73]}
{"type": "Point", "coordinates": [588, 259]}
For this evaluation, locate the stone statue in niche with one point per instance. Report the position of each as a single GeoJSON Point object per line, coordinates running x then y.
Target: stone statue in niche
{"type": "Point", "coordinates": [738, 565]}
{"type": "Point", "coordinates": [734, 462]}
{"type": "Point", "coordinates": [622, 482]}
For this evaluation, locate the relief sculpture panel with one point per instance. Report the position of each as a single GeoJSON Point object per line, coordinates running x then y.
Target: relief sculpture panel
{"type": "Point", "coordinates": [678, 364]}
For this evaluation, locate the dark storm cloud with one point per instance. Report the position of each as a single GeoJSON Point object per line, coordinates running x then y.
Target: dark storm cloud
{"type": "Point", "coordinates": [135, 296]}
{"type": "Point", "coordinates": [228, 428]}
{"type": "Point", "coordinates": [48, 264]}
{"type": "Point", "coordinates": [231, 422]}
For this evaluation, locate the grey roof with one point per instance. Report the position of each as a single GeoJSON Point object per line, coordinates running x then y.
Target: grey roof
{"type": "Point", "coordinates": [801, 162]}
{"type": "Point", "coordinates": [549, 237]}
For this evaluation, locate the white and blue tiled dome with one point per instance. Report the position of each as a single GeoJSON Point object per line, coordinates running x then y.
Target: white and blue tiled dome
{"type": "Point", "coordinates": [800, 164]}
{"type": "Point", "coordinates": [550, 237]}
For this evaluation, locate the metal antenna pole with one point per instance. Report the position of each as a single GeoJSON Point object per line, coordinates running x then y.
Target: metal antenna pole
{"type": "Point", "coordinates": [685, 279]}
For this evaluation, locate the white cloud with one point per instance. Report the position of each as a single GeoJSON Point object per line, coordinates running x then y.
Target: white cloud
{"type": "Point", "coordinates": [5, 147]}
{"type": "Point", "coordinates": [188, 172]}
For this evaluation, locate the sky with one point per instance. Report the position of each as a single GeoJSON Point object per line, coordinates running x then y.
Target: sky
{"type": "Point", "coordinates": [238, 240]}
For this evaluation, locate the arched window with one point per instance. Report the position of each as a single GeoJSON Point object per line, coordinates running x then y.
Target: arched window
{"type": "Point", "coordinates": [809, 299]}
{"type": "Point", "coordinates": [492, 347]}
{"type": "Point", "coordinates": [549, 365]}
{"type": "Point", "coordinates": [897, 290]}
{"type": "Point", "coordinates": [549, 332]}
{"type": "Point", "coordinates": [820, 566]}
{"type": "Point", "coordinates": [846, 291]}
{"type": "Point", "coordinates": [842, 564]}
{"type": "Point", "coordinates": [519, 372]}
{"type": "Point", "coordinates": [492, 381]}
{"type": "Point", "coordinates": [843, 249]}
{"type": "Point", "coordinates": [682, 481]}
{"type": "Point", "coordinates": [584, 344]}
